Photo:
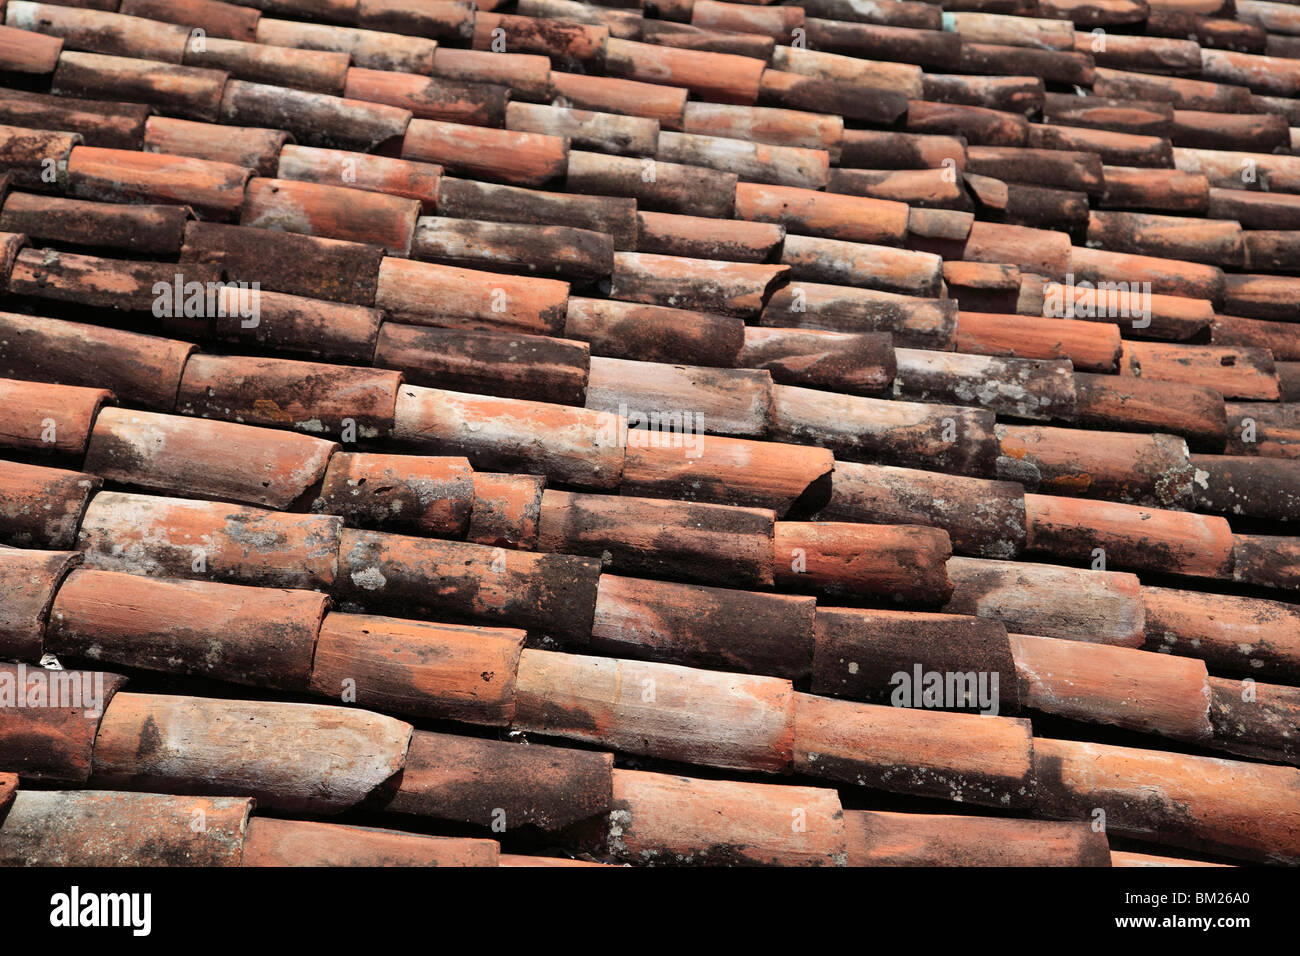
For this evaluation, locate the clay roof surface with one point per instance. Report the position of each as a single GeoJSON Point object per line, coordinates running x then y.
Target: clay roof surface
{"type": "Point", "coordinates": [553, 433]}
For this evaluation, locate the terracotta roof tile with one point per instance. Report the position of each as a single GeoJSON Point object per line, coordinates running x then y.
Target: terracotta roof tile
{"type": "Point", "coordinates": [184, 91]}
{"type": "Point", "coordinates": [506, 511]}
{"type": "Point", "coordinates": [52, 743]}
{"type": "Point", "coordinates": [309, 266]}
{"type": "Point", "coordinates": [108, 124]}
{"type": "Point", "coordinates": [210, 459]}
{"type": "Point", "coordinates": [24, 52]}
{"type": "Point", "coordinates": [139, 369]}
{"type": "Point", "coordinates": [248, 635]}
{"type": "Point", "coordinates": [254, 149]}
{"type": "Point", "coordinates": [780, 355]}
{"type": "Point", "coordinates": [40, 506]}
{"type": "Point", "coordinates": [534, 786]}
{"type": "Point", "coordinates": [581, 255]}
{"type": "Point", "coordinates": [100, 31]}
{"type": "Point", "coordinates": [1101, 606]}
{"type": "Point", "coordinates": [108, 828]}
{"type": "Point", "coordinates": [1193, 794]}
{"type": "Point", "coordinates": [663, 103]}
{"type": "Point", "coordinates": [314, 119]}
{"type": "Point", "coordinates": [216, 18]}
{"type": "Point", "coordinates": [51, 419]}
{"type": "Point", "coordinates": [689, 718]}
{"type": "Point", "coordinates": [461, 581]}
{"type": "Point", "coordinates": [418, 669]}
{"type": "Point", "coordinates": [272, 842]}
{"type": "Point", "coordinates": [208, 540]}
{"type": "Point", "coordinates": [369, 49]}
{"type": "Point", "coordinates": [878, 838]}
{"type": "Point", "coordinates": [668, 820]}
{"type": "Point", "coordinates": [300, 757]}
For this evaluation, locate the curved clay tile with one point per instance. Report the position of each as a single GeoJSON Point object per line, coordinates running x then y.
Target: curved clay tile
{"type": "Point", "coordinates": [910, 434]}
{"type": "Point", "coordinates": [877, 838]}
{"type": "Point", "coordinates": [654, 333]}
{"type": "Point", "coordinates": [899, 563]}
{"type": "Point", "coordinates": [467, 199]}
{"type": "Point", "coordinates": [143, 230]}
{"type": "Point", "coordinates": [280, 843]}
{"type": "Point", "coordinates": [1238, 635]}
{"type": "Point", "coordinates": [186, 91]}
{"type": "Point", "coordinates": [440, 20]}
{"type": "Point", "coordinates": [101, 31]}
{"type": "Point", "coordinates": [1132, 537]}
{"type": "Point", "coordinates": [314, 119]}
{"type": "Point", "coordinates": [693, 625]}
{"type": "Point", "coordinates": [28, 582]}
{"type": "Point", "coordinates": [572, 446]}
{"type": "Point", "coordinates": [438, 671]}
{"type": "Point", "coordinates": [535, 786]}
{"type": "Point", "coordinates": [425, 293]}
{"type": "Point", "coordinates": [914, 322]}
{"type": "Point", "coordinates": [311, 70]}
{"type": "Point", "coordinates": [733, 721]}
{"type": "Point", "coordinates": [861, 103]}
{"type": "Point", "coordinates": [860, 363]}
{"type": "Point", "coordinates": [971, 758]}
{"type": "Point", "coordinates": [655, 185]}
{"type": "Point", "coordinates": [215, 190]}
{"type": "Point", "coordinates": [108, 124]}
{"type": "Point", "coordinates": [299, 757]}
{"type": "Point", "coordinates": [698, 237]}
{"type": "Point", "coordinates": [206, 459]}
{"type": "Point", "coordinates": [859, 653]}
{"type": "Point", "coordinates": [1122, 686]}
{"type": "Point", "coordinates": [507, 509]}
{"type": "Point", "coordinates": [332, 212]}
{"type": "Point", "coordinates": [139, 369]}
{"type": "Point", "coordinates": [215, 18]}
{"type": "Point", "coordinates": [735, 471]}
{"type": "Point", "coordinates": [459, 581]}
{"type": "Point", "coordinates": [585, 129]}
{"type": "Point", "coordinates": [661, 818]}
{"type": "Point", "coordinates": [210, 541]}
{"type": "Point", "coordinates": [521, 159]}
{"type": "Point", "coordinates": [285, 262]}
{"type": "Point", "coordinates": [706, 543]}
{"type": "Point", "coordinates": [248, 635]}
{"type": "Point", "coordinates": [50, 720]}
{"type": "Point", "coordinates": [415, 493]}
{"type": "Point", "coordinates": [536, 367]}
{"type": "Point", "coordinates": [369, 49]}
{"type": "Point", "coordinates": [22, 51]}
{"type": "Point", "coordinates": [560, 251]}
{"type": "Point", "coordinates": [1182, 800]}
{"type": "Point", "coordinates": [313, 397]}
{"type": "Point", "coordinates": [1194, 412]}
{"type": "Point", "coordinates": [23, 155]}
{"type": "Point", "coordinates": [658, 397]}
{"type": "Point", "coordinates": [610, 94]}
{"type": "Point", "coordinates": [431, 97]}
{"type": "Point", "coordinates": [1072, 603]}
{"type": "Point", "coordinates": [42, 507]}
{"type": "Point", "coordinates": [983, 518]}
{"type": "Point", "coordinates": [381, 174]}
{"type": "Point", "coordinates": [52, 419]}
{"type": "Point", "coordinates": [103, 828]}
{"type": "Point", "coordinates": [738, 289]}
{"type": "Point", "coordinates": [254, 149]}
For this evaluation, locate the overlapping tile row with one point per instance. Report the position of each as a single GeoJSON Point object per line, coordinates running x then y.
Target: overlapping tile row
{"type": "Point", "coordinates": [704, 228]}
